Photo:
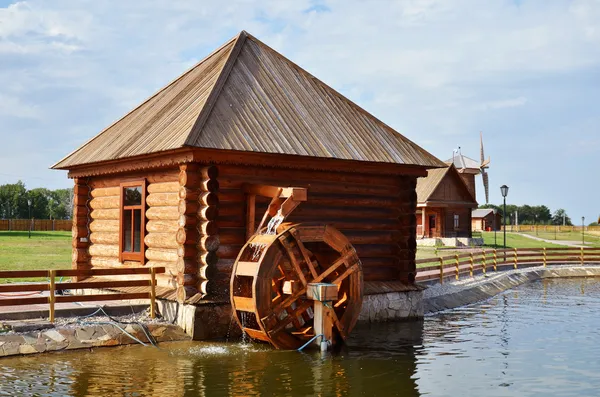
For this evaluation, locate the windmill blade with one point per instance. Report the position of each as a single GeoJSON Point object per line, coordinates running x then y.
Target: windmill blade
{"type": "Point", "coordinates": [485, 164]}
{"type": "Point", "coordinates": [481, 147]}
{"type": "Point", "coordinates": [486, 185]}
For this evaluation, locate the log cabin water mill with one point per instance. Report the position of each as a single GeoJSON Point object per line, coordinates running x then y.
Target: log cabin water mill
{"type": "Point", "coordinates": [187, 178]}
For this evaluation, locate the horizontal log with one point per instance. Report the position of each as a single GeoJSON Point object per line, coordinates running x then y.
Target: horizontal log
{"type": "Point", "coordinates": [225, 266]}
{"type": "Point", "coordinates": [161, 240]}
{"type": "Point", "coordinates": [378, 202]}
{"type": "Point", "coordinates": [187, 236]}
{"type": "Point", "coordinates": [209, 243]}
{"type": "Point", "coordinates": [207, 272]}
{"type": "Point", "coordinates": [80, 242]}
{"type": "Point", "coordinates": [162, 213]}
{"type": "Point", "coordinates": [104, 250]}
{"type": "Point", "coordinates": [160, 226]}
{"type": "Point", "coordinates": [81, 187]}
{"type": "Point", "coordinates": [187, 279]}
{"type": "Point", "coordinates": [188, 251]}
{"type": "Point", "coordinates": [162, 200]}
{"type": "Point", "coordinates": [106, 191]}
{"type": "Point", "coordinates": [104, 225]}
{"type": "Point", "coordinates": [104, 237]}
{"type": "Point", "coordinates": [208, 259]}
{"type": "Point", "coordinates": [80, 255]}
{"type": "Point", "coordinates": [81, 200]}
{"type": "Point", "coordinates": [108, 202]}
{"type": "Point", "coordinates": [186, 265]}
{"type": "Point", "coordinates": [208, 228]}
{"type": "Point", "coordinates": [79, 231]}
{"type": "Point", "coordinates": [151, 177]}
{"type": "Point", "coordinates": [184, 293]}
{"type": "Point", "coordinates": [236, 176]}
{"type": "Point", "coordinates": [209, 213]}
{"type": "Point", "coordinates": [232, 235]}
{"type": "Point", "coordinates": [99, 261]}
{"type": "Point", "coordinates": [163, 187]}
{"type": "Point", "coordinates": [229, 251]}
{"type": "Point", "coordinates": [107, 214]}
{"type": "Point", "coordinates": [170, 267]}
{"type": "Point", "coordinates": [162, 254]}
{"type": "Point", "coordinates": [188, 207]}
{"type": "Point", "coordinates": [209, 172]}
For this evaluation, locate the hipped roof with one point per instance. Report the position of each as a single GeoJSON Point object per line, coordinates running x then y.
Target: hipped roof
{"type": "Point", "coordinates": [426, 187]}
{"type": "Point", "coordinates": [247, 97]}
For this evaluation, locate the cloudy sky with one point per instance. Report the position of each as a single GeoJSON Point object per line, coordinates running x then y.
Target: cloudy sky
{"type": "Point", "coordinates": [525, 73]}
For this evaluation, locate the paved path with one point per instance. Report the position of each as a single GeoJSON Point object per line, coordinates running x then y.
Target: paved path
{"type": "Point", "coordinates": [559, 242]}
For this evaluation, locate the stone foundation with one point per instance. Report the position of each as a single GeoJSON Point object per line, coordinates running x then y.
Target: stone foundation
{"type": "Point", "coordinates": [201, 322]}
{"type": "Point", "coordinates": [392, 306]}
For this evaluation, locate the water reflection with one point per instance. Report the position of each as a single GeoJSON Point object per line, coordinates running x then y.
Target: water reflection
{"type": "Point", "coordinates": [537, 340]}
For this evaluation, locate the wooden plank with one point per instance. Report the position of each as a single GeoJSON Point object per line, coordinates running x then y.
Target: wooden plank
{"type": "Point", "coordinates": [102, 297]}
{"type": "Point", "coordinates": [105, 272]}
{"type": "Point", "coordinates": [247, 269]}
{"type": "Point", "coordinates": [293, 259]}
{"type": "Point", "coordinates": [20, 301]}
{"type": "Point", "coordinates": [256, 334]}
{"type": "Point", "coordinates": [24, 273]}
{"type": "Point", "coordinates": [102, 284]}
{"type": "Point", "coordinates": [244, 304]}
{"type": "Point", "coordinates": [4, 288]}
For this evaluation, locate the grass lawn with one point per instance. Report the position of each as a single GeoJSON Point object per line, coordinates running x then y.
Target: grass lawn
{"type": "Point", "coordinates": [591, 239]}
{"type": "Point", "coordinates": [45, 250]}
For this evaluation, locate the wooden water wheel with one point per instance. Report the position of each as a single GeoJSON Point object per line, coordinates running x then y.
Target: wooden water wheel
{"type": "Point", "coordinates": [271, 274]}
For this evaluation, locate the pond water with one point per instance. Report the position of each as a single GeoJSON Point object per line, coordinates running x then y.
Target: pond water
{"type": "Point", "coordinates": [540, 339]}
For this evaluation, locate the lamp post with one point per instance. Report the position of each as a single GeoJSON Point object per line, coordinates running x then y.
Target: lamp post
{"type": "Point", "coordinates": [583, 230]}
{"type": "Point", "coordinates": [29, 205]}
{"type": "Point", "coordinates": [504, 191]}
{"type": "Point", "coordinates": [495, 234]}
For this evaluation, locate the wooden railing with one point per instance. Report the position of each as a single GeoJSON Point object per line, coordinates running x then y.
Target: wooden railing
{"type": "Point", "coordinates": [549, 228]}
{"type": "Point", "coordinates": [469, 263]}
{"type": "Point", "coordinates": [14, 293]}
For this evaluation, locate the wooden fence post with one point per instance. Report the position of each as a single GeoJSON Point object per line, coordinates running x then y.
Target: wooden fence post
{"type": "Point", "coordinates": [51, 298]}
{"type": "Point", "coordinates": [483, 261]}
{"type": "Point", "coordinates": [516, 258]}
{"type": "Point", "coordinates": [441, 270]}
{"type": "Point", "coordinates": [582, 256]}
{"type": "Point", "coordinates": [471, 268]}
{"type": "Point", "coordinates": [457, 265]}
{"type": "Point", "coordinates": [495, 260]}
{"type": "Point", "coordinates": [545, 257]}
{"type": "Point", "coordinates": [152, 292]}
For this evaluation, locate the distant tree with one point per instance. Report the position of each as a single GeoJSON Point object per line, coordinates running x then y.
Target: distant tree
{"type": "Point", "coordinates": [594, 224]}
{"type": "Point", "coordinates": [60, 204]}
{"type": "Point", "coordinates": [13, 201]}
{"type": "Point", "coordinates": [560, 216]}
{"type": "Point", "coordinates": [40, 198]}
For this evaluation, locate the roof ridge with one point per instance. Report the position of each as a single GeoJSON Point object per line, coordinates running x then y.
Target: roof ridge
{"type": "Point", "coordinates": [162, 89]}
{"type": "Point", "coordinates": [196, 130]}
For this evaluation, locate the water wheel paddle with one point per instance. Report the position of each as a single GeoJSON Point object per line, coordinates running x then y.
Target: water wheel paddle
{"type": "Point", "coordinates": [270, 277]}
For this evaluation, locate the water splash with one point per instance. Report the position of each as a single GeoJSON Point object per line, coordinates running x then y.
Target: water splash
{"type": "Point", "coordinates": [257, 250]}
{"type": "Point", "coordinates": [274, 223]}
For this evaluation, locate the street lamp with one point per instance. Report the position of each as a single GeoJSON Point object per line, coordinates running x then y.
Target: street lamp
{"type": "Point", "coordinates": [504, 191]}
{"type": "Point", "coordinates": [583, 230]}
{"type": "Point", "coordinates": [29, 205]}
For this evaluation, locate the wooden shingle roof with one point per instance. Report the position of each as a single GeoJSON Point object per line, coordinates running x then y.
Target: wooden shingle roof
{"type": "Point", "coordinates": [426, 187]}
{"type": "Point", "coordinates": [247, 97]}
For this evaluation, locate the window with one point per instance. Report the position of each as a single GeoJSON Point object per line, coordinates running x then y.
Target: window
{"type": "Point", "coordinates": [456, 221]}
{"type": "Point", "coordinates": [132, 225]}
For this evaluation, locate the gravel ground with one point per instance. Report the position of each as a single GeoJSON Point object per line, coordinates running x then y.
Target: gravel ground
{"type": "Point", "coordinates": [452, 286]}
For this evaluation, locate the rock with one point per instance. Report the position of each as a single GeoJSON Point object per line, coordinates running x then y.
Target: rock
{"type": "Point", "coordinates": [27, 349]}
{"type": "Point", "coordinates": [54, 335]}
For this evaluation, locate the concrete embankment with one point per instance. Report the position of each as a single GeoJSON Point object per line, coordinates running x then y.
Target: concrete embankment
{"type": "Point", "coordinates": [467, 291]}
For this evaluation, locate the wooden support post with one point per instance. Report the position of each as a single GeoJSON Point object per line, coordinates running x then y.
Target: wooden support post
{"type": "Point", "coordinates": [495, 260]}
{"type": "Point", "coordinates": [471, 268]}
{"type": "Point", "coordinates": [152, 292]}
{"type": "Point", "coordinates": [545, 257]}
{"type": "Point", "coordinates": [483, 261]}
{"type": "Point", "coordinates": [457, 265]}
{"type": "Point", "coordinates": [516, 258]}
{"type": "Point", "coordinates": [323, 294]}
{"type": "Point", "coordinates": [51, 298]}
{"type": "Point", "coordinates": [441, 270]}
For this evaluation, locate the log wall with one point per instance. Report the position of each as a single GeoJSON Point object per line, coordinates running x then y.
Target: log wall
{"type": "Point", "coordinates": [81, 237]}
{"type": "Point", "coordinates": [162, 217]}
{"type": "Point", "coordinates": [376, 212]}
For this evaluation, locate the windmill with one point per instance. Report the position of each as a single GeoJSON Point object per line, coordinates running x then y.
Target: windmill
{"type": "Point", "coordinates": [483, 167]}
